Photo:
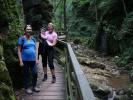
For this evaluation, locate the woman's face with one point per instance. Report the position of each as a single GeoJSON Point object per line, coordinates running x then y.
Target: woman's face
{"type": "Point", "coordinates": [29, 30]}
{"type": "Point", "coordinates": [50, 28]}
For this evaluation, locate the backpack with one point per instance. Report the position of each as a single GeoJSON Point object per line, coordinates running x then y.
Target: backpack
{"type": "Point", "coordinates": [41, 47]}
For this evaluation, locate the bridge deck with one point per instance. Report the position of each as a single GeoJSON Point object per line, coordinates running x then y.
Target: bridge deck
{"type": "Point", "coordinates": [48, 90]}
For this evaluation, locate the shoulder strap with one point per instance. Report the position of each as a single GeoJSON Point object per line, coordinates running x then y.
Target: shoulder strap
{"type": "Point", "coordinates": [22, 37]}
{"type": "Point", "coordinates": [33, 39]}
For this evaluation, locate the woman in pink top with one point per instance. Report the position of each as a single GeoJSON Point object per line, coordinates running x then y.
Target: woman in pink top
{"type": "Point", "coordinates": [49, 41]}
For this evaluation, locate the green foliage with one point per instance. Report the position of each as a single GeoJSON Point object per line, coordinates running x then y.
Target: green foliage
{"type": "Point", "coordinates": [126, 58]}
{"type": "Point", "coordinates": [113, 12]}
{"type": "Point", "coordinates": [77, 41]}
{"type": "Point", "coordinates": [126, 29]}
{"type": "Point", "coordinates": [4, 74]}
{"type": "Point", "coordinates": [82, 2]}
{"type": "Point", "coordinates": [58, 14]}
{"type": "Point", "coordinates": [91, 41]}
{"type": "Point", "coordinates": [6, 92]}
{"type": "Point", "coordinates": [103, 19]}
{"type": "Point", "coordinates": [125, 38]}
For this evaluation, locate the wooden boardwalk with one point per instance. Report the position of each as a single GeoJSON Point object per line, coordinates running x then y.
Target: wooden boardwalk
{"type": "Point", "coordinates": [48, 90]}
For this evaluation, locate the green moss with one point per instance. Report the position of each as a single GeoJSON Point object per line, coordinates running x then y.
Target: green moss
{"type": "Point", "coordinates": [1, 52]}
{"type": "Point", "coordinates": [6, 92]}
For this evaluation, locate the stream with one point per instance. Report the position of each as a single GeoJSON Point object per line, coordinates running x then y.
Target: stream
{"type": "Point", "coordinates": [121, 82]}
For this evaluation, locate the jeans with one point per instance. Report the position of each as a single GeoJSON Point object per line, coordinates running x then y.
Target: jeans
{"type": "Point", "coordinates": [30, 66]}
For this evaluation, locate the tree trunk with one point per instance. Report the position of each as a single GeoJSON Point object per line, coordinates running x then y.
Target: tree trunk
{"type": "Point", "coordinates": [65, 27]}
{"type": "Point", "coordinates": [125, 10]}
{"type": "Point", "coordinates": [96, 10]}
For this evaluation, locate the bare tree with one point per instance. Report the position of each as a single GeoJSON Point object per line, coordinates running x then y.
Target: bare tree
{"type": "Point", "coordinates": [124, 5]}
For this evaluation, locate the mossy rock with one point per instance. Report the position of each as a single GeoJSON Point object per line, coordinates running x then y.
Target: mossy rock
{"type": "Point", "coordinates": [4, 75]}
{"type": "Point", "coordinates": [77, 41]}
{"type": "Point", "coordinates": [1, 52]}
{"type": "Point", "coordinates": [11, 60]}
{"type": "Point", "coordinates": [92, 64]}
{"type": "Point", "coordinates": [6, 92]}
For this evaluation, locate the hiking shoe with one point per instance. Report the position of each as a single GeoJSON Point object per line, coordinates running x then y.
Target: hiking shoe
{"type": "Point", "coordinates": [53, 80]}
{"type": "Point", "coordinates": [28, 91]}
{"type": "Point", "coordinates": [36, 89]}
{"type": "Point", "coordinates": [45, 77]}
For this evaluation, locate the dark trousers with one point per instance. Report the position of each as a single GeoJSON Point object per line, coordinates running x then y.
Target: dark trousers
{"type": "Point", "coordinates": [30, 66]}
{"type": "Point", "coordinates": [48, 55]}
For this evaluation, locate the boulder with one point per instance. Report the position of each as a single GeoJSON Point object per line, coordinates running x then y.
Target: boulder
{"type": "Point", "coordinates": [92, 64]}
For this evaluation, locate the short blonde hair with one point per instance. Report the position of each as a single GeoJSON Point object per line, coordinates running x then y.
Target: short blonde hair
{"type": "Point", "coordinates": [51, 24]}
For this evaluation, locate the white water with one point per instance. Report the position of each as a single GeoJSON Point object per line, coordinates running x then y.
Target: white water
{"type": "Point", "coordinates": [111, 95]}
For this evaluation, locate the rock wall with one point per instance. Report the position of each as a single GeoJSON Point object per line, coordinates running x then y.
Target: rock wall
{"type": "Point", "coordinates": [6, 89]}
{"type": "Point", "coordinates": [12, 26]}
{"type": "Point", "coordinates": [37, 12]}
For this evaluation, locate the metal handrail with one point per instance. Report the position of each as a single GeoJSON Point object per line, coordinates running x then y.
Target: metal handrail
{"type": "Point", "coordinates": [77, 86]}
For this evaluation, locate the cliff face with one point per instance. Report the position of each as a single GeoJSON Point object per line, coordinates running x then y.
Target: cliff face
{"type": "Point", "coordinates": [6, 90]}
{"type": "Point", "coordinates": [11, 23]}
{"type": "Point", "coordinates": [37, 12]}
{"type": "Point", "coordinates": [11, 26]}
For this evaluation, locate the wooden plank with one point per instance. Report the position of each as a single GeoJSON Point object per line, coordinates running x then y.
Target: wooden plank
{"type": "Point", "coordinates": [50, 93]}
{"type": "Point", "coordinates": [44, 98]}
{"type": "Point", "coordinates": [50, 85]}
